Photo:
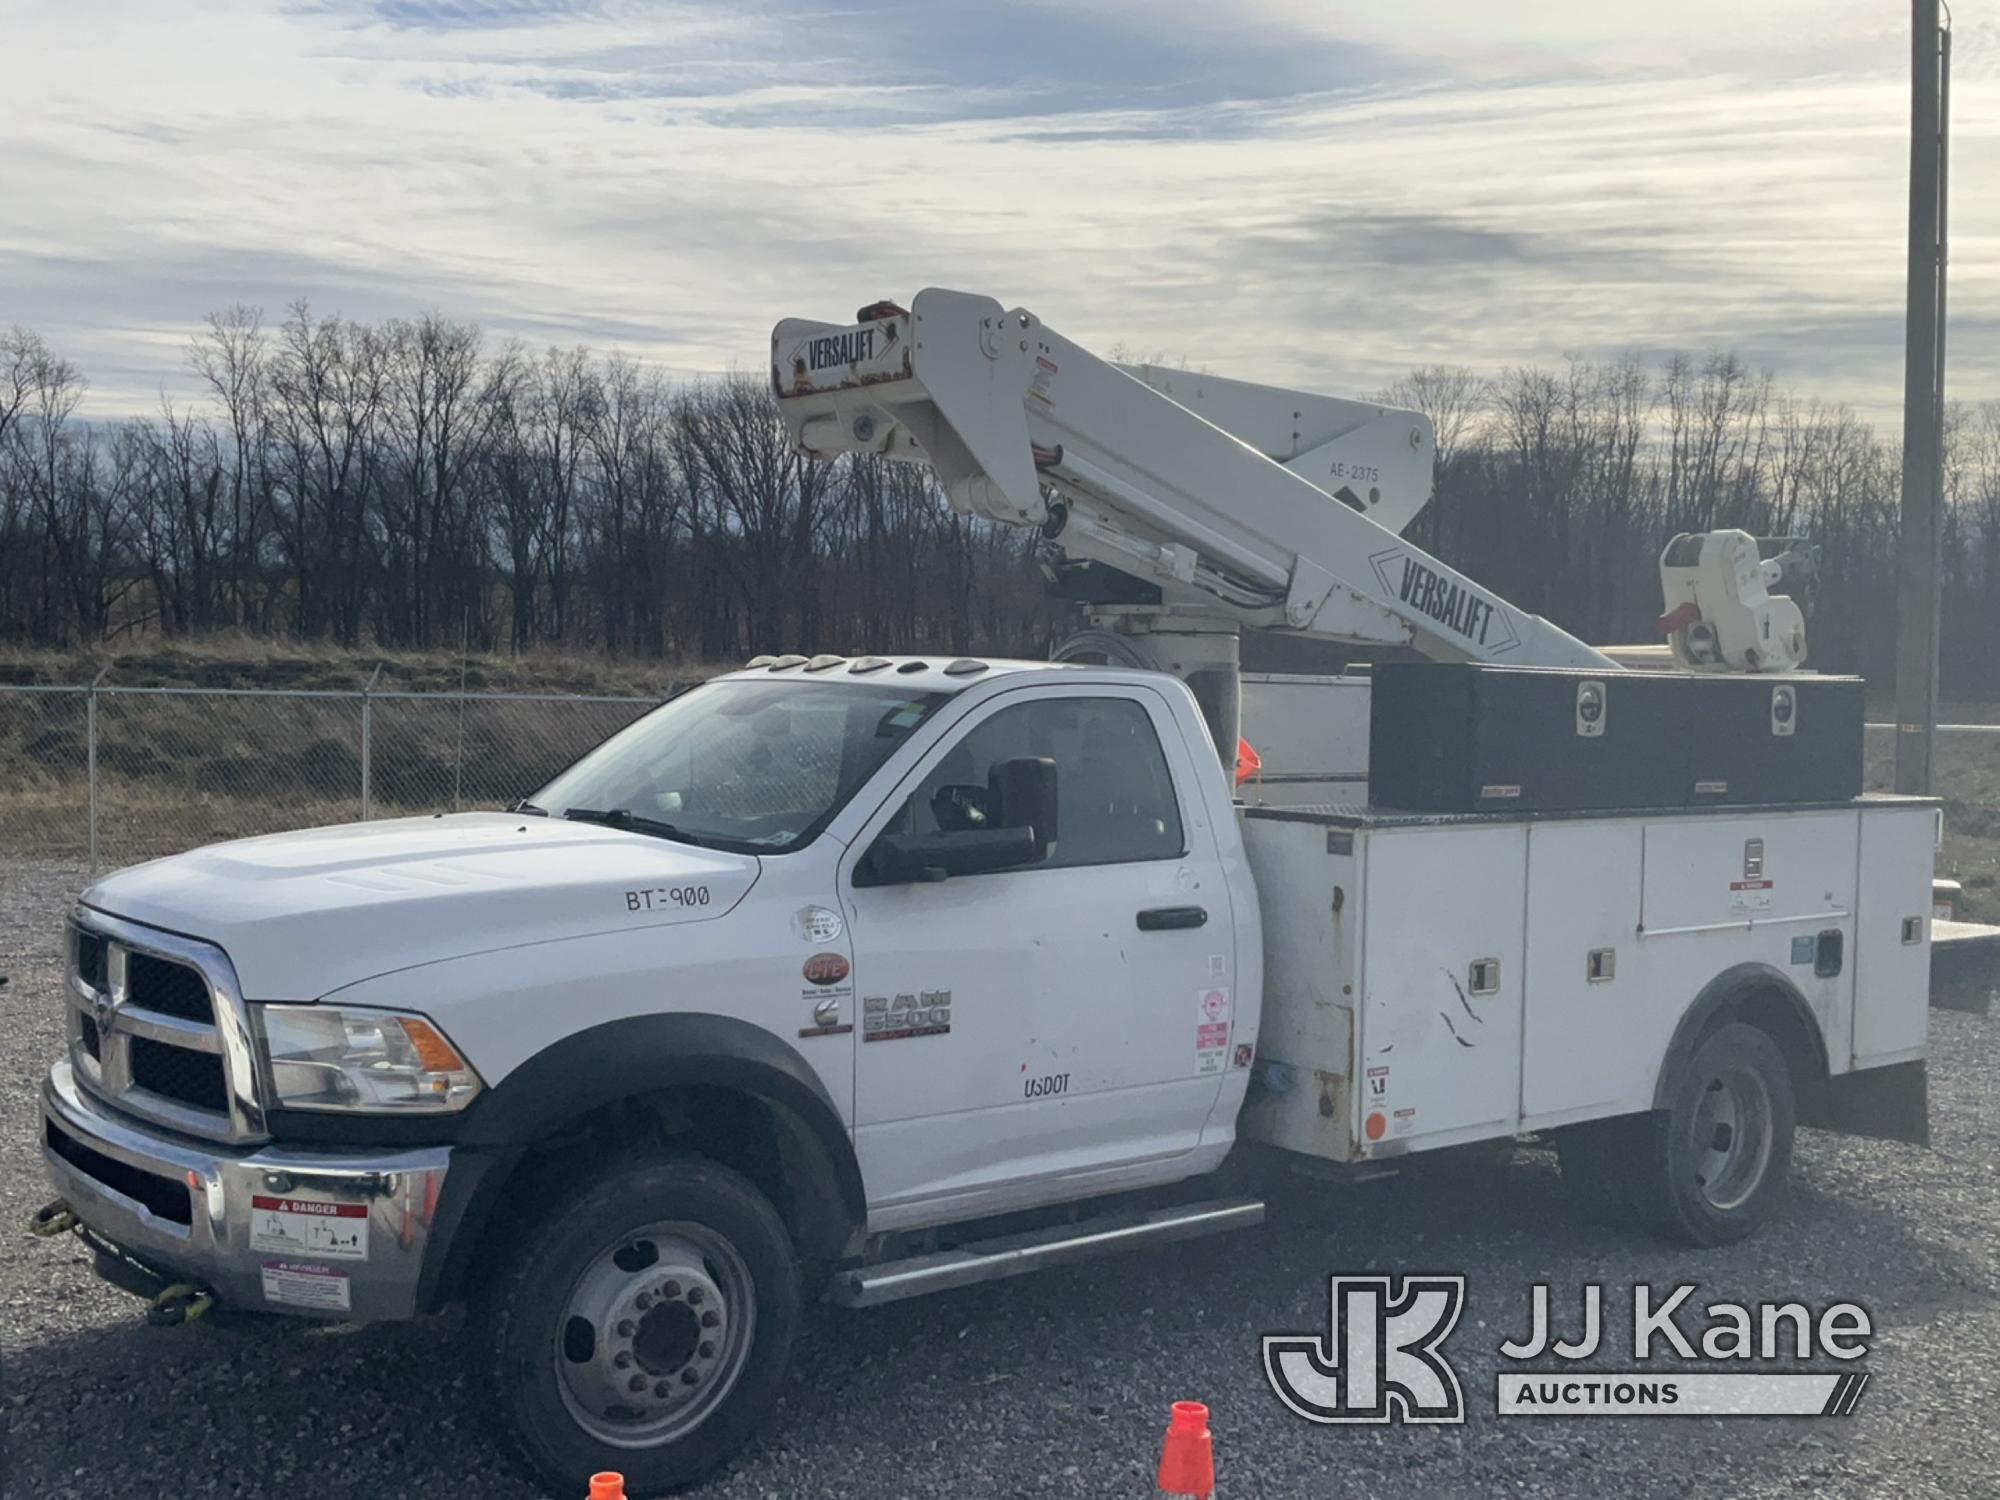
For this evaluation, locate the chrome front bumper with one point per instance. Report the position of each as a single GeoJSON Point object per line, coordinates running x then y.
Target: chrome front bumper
{"type": "Point", "coordinates": [321, 1234]}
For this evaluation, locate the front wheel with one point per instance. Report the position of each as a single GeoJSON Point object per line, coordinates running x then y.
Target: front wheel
{"type": "Point", "coordinates": [642, 1324]}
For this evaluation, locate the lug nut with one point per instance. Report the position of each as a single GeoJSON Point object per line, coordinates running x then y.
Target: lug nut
{"type": "Point", "coordinates": [622, 1359]}
{"type": "Point", "coordinates": [690, 1377]}
{"type": "Point", "coordinates": [643, 1301]}
{"type": "Point", "coordinates": [626, 1328]}
{"type": "Point", "coordinates": [671, 1289]}
{"type": "Point", "coordinates": [710, 1318]}
{"type": "Point", "coordinates": [636, 1383]}
{"type": "Point", "coordinates": [694, 1296]}
{"type": "Point", "coordinates": [664, 1388]}
{"type": "Point", "coordinates": [707, 1350]}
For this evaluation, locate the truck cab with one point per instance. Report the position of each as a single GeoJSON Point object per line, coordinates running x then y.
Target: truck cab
{"type": "Point", "coordinates": [838, 948]}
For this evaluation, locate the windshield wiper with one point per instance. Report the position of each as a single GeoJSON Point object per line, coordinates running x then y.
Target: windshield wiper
{"type": "Point", "coordinates": [622, 817]}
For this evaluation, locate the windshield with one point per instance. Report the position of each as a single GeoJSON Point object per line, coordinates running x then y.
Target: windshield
{"type": "Point", "coordinates": [755, 766]}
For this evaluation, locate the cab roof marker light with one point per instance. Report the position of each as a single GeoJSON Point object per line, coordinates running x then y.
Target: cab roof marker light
{"type": "Point", "coordinates": [868, 664]}
{"type": "Point", "coordinates": [784, 663]}
{"type": "Point", "coordinates": [758, 661]}
{"type": "Point", "coordinates": [824, 663]}
{"type": "Point", "coordinates": [965, 666]}
{"type": "Point", "coordinates": [914, 666]}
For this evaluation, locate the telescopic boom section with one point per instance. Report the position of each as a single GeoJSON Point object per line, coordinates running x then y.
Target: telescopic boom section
{"type": "Point", "coordinates": [1276, 509]}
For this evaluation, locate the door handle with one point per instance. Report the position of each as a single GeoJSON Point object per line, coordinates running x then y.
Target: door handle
{"type": "Point", "coordinates": [1166, 918]}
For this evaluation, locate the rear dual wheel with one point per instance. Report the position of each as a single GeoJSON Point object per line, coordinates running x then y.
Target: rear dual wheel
{"type": "Point", "coordinates": [1709, 1168]}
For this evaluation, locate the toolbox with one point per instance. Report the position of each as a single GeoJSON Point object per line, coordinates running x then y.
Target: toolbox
{"type": "Point", "coordinates": [1792, 738]}
{"type": "Point", "coordinates": [1463, 737]}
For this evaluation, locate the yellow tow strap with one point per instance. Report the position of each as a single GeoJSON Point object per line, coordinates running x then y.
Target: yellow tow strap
{"type": "Point", "coordinates": [52, 1219]}
{"type": "Point", "coordinates": [183, 1302]}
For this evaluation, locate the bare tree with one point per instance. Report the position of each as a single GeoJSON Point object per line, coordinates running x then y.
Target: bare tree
{"type": "Point", "coordinates": [767, 494]}
{"type": "Point", "coordinates": [230, 359]}
{"type": "Point", "coordinates": [329, 385]}
{"type": "Point", "coordinates": [385, 482]}
{"type": "Point", "coordinates": [437, 416]}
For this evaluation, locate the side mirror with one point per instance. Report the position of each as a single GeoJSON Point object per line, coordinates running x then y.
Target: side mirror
{"type": "Point", "coordinates": [1023, 792]}
{"type": "Point", "coordinates": [908, 858]}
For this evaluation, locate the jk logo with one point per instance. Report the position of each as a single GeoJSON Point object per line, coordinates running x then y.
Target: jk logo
{"type": "Point", "coordinates": [1379, 1362]}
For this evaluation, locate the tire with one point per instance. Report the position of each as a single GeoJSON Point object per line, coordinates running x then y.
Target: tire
{"type": "Point", "coordinates": [673, 1274]}
{"type": "Point", "coordinates": [1712, 1165]}
{"type": "Point", "coordinates": [1707, 1170]}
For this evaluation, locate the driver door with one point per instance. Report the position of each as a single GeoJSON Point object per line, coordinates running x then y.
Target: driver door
{"type": "Point", "coordinates": [1021, 1024]}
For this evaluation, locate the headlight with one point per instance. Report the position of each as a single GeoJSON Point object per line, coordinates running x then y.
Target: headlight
{"type": "Point", "coordinates": [369, 1061]}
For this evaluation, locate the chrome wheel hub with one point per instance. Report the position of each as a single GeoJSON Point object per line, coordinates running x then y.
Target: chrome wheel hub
{"type": "Point", "coordinates": [1731, 1133]}
{"type": "Point", "coordinates": [655, 1334]}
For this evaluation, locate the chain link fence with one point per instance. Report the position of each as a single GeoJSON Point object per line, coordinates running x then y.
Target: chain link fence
{"type": "Point", "coordinates": [114, 775]}
{"type": "Point", "coordinates": [107, 776]}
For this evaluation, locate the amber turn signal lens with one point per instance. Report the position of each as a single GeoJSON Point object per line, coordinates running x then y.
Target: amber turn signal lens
{"type": "Point", "coordinates": [433, 1050]}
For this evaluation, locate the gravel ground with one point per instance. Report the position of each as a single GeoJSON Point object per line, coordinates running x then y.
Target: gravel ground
{"type": "Point", "coordinates": [1059, 1385]}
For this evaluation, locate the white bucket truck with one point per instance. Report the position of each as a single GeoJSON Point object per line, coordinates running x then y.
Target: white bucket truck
{"type": "Point", "coordinates": [856, 976]}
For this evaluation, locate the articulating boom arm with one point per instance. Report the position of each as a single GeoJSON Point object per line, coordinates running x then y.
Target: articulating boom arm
{"type": "Point", "coordinates": [1273, 508]}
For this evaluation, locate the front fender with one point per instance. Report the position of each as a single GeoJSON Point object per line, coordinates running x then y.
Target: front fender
{"type": "Point", "coordinates": [636, 1055]}
{"type": "Point", "coordinates": [630, 1058]}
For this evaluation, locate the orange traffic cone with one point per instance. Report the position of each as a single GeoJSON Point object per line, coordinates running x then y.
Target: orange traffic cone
{"type": "Point", "coordinates": [1187, 1463]}
{"type": "Point", "coordinates": [607, 1486]}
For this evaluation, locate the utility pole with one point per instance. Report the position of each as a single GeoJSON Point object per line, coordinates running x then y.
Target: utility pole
{"type": "Point", "coordinates": [1921, 547]}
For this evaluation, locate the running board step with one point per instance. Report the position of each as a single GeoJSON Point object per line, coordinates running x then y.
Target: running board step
{"type": "Point", "coordinates": [1036, 1250]}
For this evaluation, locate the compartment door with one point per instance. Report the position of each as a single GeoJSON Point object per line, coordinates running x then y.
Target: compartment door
{"type": "Point", "coordinates": [1587, 992]}
{"type": "Point", "coordinates": [1441, 974]}
{"type": "Point", "coordinates": [1772, 887]}
{"type": "Point", "coordinates": [1892, 962]}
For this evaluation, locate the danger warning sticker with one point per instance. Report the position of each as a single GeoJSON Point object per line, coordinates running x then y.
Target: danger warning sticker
{"type": "Point", "coordinates": [1211, 1044]}
{"type": "Point", "coordinates": [302, 1226]}
{"type": "Point", "coordinates": [1749, 895]}
{"type": "Point", "coordinates": [320, 1287]}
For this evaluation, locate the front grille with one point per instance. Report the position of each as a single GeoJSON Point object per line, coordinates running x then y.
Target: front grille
{"type": "Point", "coordinates": [165, 1198]}
{"type": "Point", "coordinates": [127, 1054]}
{"type": "Point", "coordinates": [93, 955]}
{"type": "Point", "coordinates": [172, 989]}
{"type": "Point", "coordinates": [191, 1078]}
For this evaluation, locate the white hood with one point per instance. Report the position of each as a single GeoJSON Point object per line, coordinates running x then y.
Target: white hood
{"type": "Point", "coordinates": [303, 914]}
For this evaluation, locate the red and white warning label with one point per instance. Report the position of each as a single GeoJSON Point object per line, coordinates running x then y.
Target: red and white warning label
{"type": "Point", "coordinates": [1749, 895]}
{"type": "Point", "coordinates": [301, 1226]}
{"type": "Point", "coordinates": [320, 1287]}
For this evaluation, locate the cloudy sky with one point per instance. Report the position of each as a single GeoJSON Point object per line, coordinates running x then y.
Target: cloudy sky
{"type": "Point", "coordinates": [1309, 191]}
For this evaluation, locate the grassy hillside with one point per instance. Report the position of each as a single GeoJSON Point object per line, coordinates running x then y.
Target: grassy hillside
{"type": "Point", "coordinates": [178, 771]}
{"type": "Point", "coordinates": [175, 772]}
{"type": "Point", "coordinates": [245, 661]}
